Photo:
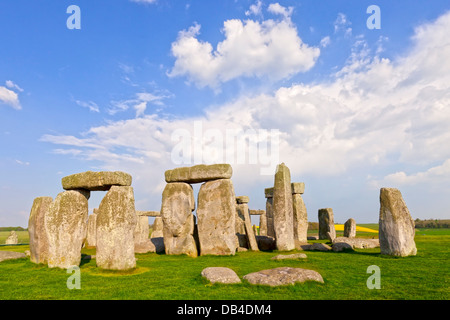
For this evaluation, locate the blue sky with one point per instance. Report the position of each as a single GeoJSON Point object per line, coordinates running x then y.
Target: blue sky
{"type": "Point", "coordinates": [357, 109]}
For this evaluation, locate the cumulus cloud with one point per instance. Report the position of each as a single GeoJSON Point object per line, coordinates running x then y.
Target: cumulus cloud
{"type": "Point", "coordinates": [9, 98]}
{"type": "Point", "coordinates": [268, 49]}
{"type": "Point", "coordinates": [371, 113]}
{"type": "Point", "coordinates": [255, 9]}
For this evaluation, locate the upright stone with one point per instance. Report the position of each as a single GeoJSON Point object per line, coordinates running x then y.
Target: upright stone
{"type": "Point", "coordinates": [216, 214]}
{"type": "Point", "coordinates": [66, 226]}
{"type": "Point", "coordinates": [350, 228]}
{"type": "Point", "coordinates": [91, 238]}
{"type": "Point", "coordinates": [242, 208]}
{"type": "Point", "coordinates": [12, 238]}
{"type": "Point", "coordinates": [326, 224]}
{"type": "Point", "coordinates": [158, 227]}
{"type": "Point", "coordinates": [142, 243]}
{"type": "Point", "coordinates": [116, 221]}
{"type": "Point", "coordinates": [263, 223]}
{"type": "Point", "coordinates": [299, 212]}
{"type": "Point", "coordinates": [199, 173]}
{"type": "Point", "coordinates": [176, 211]}
{"type": "Point", "coordinates": [36, 230]}
{"type": "Point", "coordinates": [396, 227]}
{"type": "Point", "coordinates": [283, 209]}
{"type": "Point", "coordinates": [268, 192]}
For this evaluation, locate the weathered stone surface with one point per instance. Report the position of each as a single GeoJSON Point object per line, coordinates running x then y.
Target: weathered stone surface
{"type": "Point", "coordinates": [341, 246]}
{"type": "Point", "coordinates": [142, 243]}
{"type": "Point", "coordinates": [116, 221]}
{"type": "Point", "coordinates": [96, 181]}
{"type": "Point", "coordinates": [283, 276]}
{"type": "Point", "coordinates": [283, 209]}
{"type": "Point", "coordinates": [350, 228]}
{"type": "Point", "coordinates": [216, 216]}
{"type": "Point", "coordinates": [91, 238]}
{"type": "Point", "coordinates": [326, 224]}
{"type": "Point", "coordinates": [36, 229]}
{"type": "Point", "coordinates": [358, 243]}
{"type": "Point", "coordinates": [294, 256]}
{"type": "Point", "coordinates": [262, 223]}
{"type": "Point", "coordinates": [66, 227]}
{"type": "Point", "coordinates": [148, 213]}
{"type": "Point", "coordinates": [240, 221]}
{"type": "Point", "coordinates": [242, 199]}
{"type": "Point", "coordinates": [300, 218]}
{"type": "Point", "coordinates": [10, 255]}
{"type": "Point", "coordinates": [396, 227]}
{"type": "Point", "coordinates": [244, 212]}
{"type": "Point", "coordinates": [12, 238]}
{"type": "Point", "coordinates": [199, 173]}
{"type": "Point", "coordinates": [257, 212]}
{"type": "Point", "coordinates": [158, 227]}
{"type": "Point", "coordinates": [298, 187]}
{"type": "Point", "coordinates": [220, 275]}
{"type": "Point", "coordinates": [269, 217]}
{"type": "Point", "coordinates": [176, 211]}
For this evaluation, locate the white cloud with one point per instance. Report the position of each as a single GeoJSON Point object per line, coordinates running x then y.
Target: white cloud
{"type": "Point", "coordinates": [255, 9]}
{"type": "Point", "coordinates": [144, 1]}
{"type": "Point", "coordinates": [342, 24]}
{"type": "Point", "coordinates": [10, 84]}
{"type": "Point", "coordinates": [92, 106]}
{"type": "Point", "coordinates": [22, 163]}
{"type": "Point", "coordinates": [325, 42]}
{"type": "Point", "coordinates": [269, 49]}
{"type": "Point", "coordinates": [276, 8]}
{"type": "Point", "coordinates": [373, 113]}
{"type": "Point", "coordinates": [139, 103]}
{"type": "Point", "coordinates": [10, 98]}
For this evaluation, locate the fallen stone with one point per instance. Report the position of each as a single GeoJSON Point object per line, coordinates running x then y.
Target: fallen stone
{"type": "Point", "coordinates": [358, 243]}
{"type": "Point", "coordinates": [341, 246]}
{"type": "Point", "coordinates": [283, 209]}
{"type": "Point", "coordinates": [312, 238]}
{"type": "Point", "coordinates": [283, 276]}
{"type": "Point", "coordinates": [294, 256]}
{"type": "Point", "coordinates": [315, 247]}
{"type": "Point", "coordinates": [396, 226]}
{"type": "Point", "coordinates": [116, 222]}
{"type": "Point", "coordinates": [10, 255]}
{"type": "Point", "coordinates": [199, 173]}
{"type": "Point", "coordinates": [266, 243]}
{"type": "Point", "coordinates": [96, 181]}
{"type": "Point", "coordinates": [220, 275]}
{"type": "Point", "coordinates": [216, 214]}
{"type": "Point", "coordinates": [66, 228]}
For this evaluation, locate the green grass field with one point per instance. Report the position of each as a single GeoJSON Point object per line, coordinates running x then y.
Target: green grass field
{"type": "Point", "coordinates": [159, 276]}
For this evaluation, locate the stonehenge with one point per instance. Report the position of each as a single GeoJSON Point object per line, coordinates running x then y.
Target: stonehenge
{"type": "Point", "coordinates": [59, 228]}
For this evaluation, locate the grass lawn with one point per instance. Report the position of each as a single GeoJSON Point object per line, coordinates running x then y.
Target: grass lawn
{"type": "Point", "coordinates": [163, 277]}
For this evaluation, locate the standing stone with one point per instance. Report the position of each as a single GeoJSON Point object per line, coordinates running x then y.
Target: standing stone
{"type": "Point", "coordinates": [66, 227]}
{"type": "Point", "coordinates": [242, 208]}
{"type": "Point", "coordinates": [176, 211]}
{"type": "Point", "coordinates": [36, 230]}
{"type": "Point", "coordinates": [300, 218]}
{"type": "Point", "coordinates": [350, 228]}
{"type": "Point", "coordinates": [268, 192]}
{"type": "Point", "coordinates": [263, 223]}
{"type": "Point", "coordinates": [142, 243]}
{"type": "Point", "coordinates": [216, 216]}
{"type": "Point", "coordinates": [396, 227]}
{"type": "Point", "coordinates": [326, 224]}
{"type": "Point", "coordinates": [91, 238]}
{"type": "Point", "coordinates": [283, 209]}
{"type": "Point", "coordinates": [116, 221]}
{"type": "Point", "coordinates": [158, 227]}
{"type": "Point", "coordinates": [12, 238]}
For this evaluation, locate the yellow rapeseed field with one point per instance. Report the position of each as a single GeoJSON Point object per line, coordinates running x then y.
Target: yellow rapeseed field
{"type": "Point", "coordinates": [340, 227]}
